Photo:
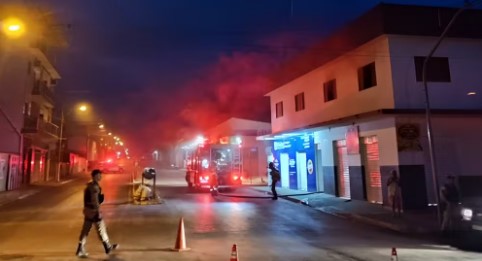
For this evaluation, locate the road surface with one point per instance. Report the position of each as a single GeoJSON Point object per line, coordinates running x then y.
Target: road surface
{"type": "Point", "coordinates": [45, 226]}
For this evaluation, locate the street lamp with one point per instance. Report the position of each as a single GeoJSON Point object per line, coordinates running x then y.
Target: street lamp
{"type": "Point", "coordinates": [81, 108]}
{"type": "Point", "coordinates": [101, 126]}
{"type": "Point", "coordinates": [13, 27]}
{"type": "Point", "coordinates": [428, 118]}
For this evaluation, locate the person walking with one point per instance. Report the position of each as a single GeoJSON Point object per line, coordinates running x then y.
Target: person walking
{"type": "Point", "coordinates": [93, 198]}
{"type": "Point", "coordinates": [395, 193]}
{"type": "Point", "coordinates": [275, 177]}
{"type": "Point", "coordinates": [449, 197]}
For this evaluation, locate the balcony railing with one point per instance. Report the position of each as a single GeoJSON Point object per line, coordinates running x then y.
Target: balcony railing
{"type": "Point", "coordinates": [37, 125]}
{"type": "Point", "coordinates": [40, 88]}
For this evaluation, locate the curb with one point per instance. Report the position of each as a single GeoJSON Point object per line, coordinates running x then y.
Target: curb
{"type": "Point", "coordinates": [358, 218]}
{"type": "Point", "coordinates": [31, 191]}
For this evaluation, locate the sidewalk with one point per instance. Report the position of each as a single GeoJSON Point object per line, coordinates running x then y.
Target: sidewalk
{"type": "Point", "coordinates": [10, 196]}
{"type": "Point", "coordinates": [411, 222]}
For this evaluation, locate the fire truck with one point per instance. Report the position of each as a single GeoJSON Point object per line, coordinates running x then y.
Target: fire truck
{"type": "Point", "coordinates": [215, 166]}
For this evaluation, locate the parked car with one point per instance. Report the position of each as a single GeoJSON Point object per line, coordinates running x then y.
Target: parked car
{"type": "Point", "coordinates": [470, 210]}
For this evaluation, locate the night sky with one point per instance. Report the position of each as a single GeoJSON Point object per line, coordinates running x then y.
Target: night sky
{"type": "Point", "coordinates": [157, 70]}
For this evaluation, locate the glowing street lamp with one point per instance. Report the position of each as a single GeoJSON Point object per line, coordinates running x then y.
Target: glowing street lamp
{"type": "Point", "coordinates": [110, 133]}
{"type": "Point", "coordinates": [13, 27]}
{"type": "Point", "coordinates": [83, 108]}
{"type": "Point", "coordinates": [101, 126]}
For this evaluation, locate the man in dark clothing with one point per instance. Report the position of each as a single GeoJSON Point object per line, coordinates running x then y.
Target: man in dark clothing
{"type": "Point", "coordinates": [449, 197]}
{"type": "Point", "coordinates": [275, 177]}
{"type": "Point", "coordinates": [93, 197]}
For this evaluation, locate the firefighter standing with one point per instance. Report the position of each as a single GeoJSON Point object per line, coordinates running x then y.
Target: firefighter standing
{"type": "Point", "coordinates": [93, 197]}
{"type": "Point", "coordinates": [275, 177]}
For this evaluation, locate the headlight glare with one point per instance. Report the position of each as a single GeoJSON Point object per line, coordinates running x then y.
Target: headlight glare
{"type": "Point", "coordinates": [467, 214]}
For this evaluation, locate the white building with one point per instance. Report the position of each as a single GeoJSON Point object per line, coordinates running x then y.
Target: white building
{"type": "Point", "coordinates": [352, 109]}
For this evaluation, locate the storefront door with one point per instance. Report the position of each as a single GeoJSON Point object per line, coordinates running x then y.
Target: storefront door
{"type": "Point", "coordinates": [301, 171]}
{"type": "Point", "coordinates": [285, 170]}
{"type": "Point", "coordinates": [343, 171]}
{"type": "Point", "coordinates": [319, 171]}
{"type": "Point", "coordinates": [371, 162]}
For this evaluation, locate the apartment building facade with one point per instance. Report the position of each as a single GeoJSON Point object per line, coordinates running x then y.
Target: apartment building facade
{"type": "Point", "coordinates": [29, 131]}
{"type": "Point", "coordinates": [352, 108]}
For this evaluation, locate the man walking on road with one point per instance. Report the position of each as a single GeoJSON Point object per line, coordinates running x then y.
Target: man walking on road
{"type": "Point", "coordinates": [93, 197]}
{"type": "Point", "coordinates": [275, 177]}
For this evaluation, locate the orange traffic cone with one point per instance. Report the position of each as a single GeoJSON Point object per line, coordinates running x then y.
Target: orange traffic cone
{"type": "Point", "coordinates": [234, 253]}
{"type": "Point", "coordinates": [394, 255]}
{"type": "Point", "coordinates": [181, 238]}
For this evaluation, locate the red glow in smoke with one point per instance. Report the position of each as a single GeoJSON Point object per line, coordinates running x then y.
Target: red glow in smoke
{"type": "Point", "coordinates": [233, 87]}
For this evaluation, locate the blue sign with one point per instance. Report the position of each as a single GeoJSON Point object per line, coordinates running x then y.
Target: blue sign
{"type": "Point", "coordinates": [291, 146]}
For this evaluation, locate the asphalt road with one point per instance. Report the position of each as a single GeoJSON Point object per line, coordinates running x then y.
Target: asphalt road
{"type": "Point", "coordinates": [45, 226]}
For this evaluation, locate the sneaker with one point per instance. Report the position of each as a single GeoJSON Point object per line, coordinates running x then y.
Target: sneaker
{"type": "Point", "coordinates": [109, 248]}
{"type": "Point", "coordinates": [81, 252]}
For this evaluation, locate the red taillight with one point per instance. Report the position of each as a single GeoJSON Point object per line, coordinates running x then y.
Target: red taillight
{"type": "Point", "coordinates": [235, 177]}
{"type": "Point", "coordinates": [206, 177]}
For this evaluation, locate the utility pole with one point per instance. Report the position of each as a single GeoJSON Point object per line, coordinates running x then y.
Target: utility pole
{"type": "Point", "coordinates": [428, 116]}
{"type": "Point", "coordinates": [57, 178]}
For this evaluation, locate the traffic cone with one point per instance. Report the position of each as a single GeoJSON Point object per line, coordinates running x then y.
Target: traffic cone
{"type": "Point", "coordinates": [394, 255]}
{"type": "Point", "coordinates": [181, 238]}
{"type": "Point", "coordinates": [234, 253]}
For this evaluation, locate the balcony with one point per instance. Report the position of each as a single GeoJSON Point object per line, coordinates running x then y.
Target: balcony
{"type": "Point", "coordinates": [37, 127]}
{"type": "Point", "coordinates": [41, 89]}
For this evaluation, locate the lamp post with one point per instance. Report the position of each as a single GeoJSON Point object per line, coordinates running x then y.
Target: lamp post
{"type": "Point", "coordinates": [13, 27]}
{"type": "Point", "coordinates": [428, 116]}
{"type": "Point", "coordinates": [81, 108]}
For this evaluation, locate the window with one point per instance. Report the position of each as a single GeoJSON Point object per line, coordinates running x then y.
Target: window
{"type": "Point", "coordinates": [367, 77]}
{"type": "Point", "coordinates": [279, 109]}
{"type": "Point", "coordinates": [438, 69]}
{"type": "Point", "coordinates": [300, 102]}
{"type": "Point", "coordinates": [329, 90]}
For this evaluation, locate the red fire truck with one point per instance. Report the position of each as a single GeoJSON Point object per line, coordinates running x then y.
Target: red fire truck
{"type": "Point", "coordinates": [215, 165]}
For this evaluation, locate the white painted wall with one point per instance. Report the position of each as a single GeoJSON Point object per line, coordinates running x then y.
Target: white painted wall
{"type": "Point", "coordinates": [384, 129]}
{"type": "Point", "coordinates": [457, 148]}
{"type": "Point", "coordinates": [465, 61]}
{"type": "Point", "coordinates": [397, 85]}
{"type": "Point", "coordinates": [349, 100]}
